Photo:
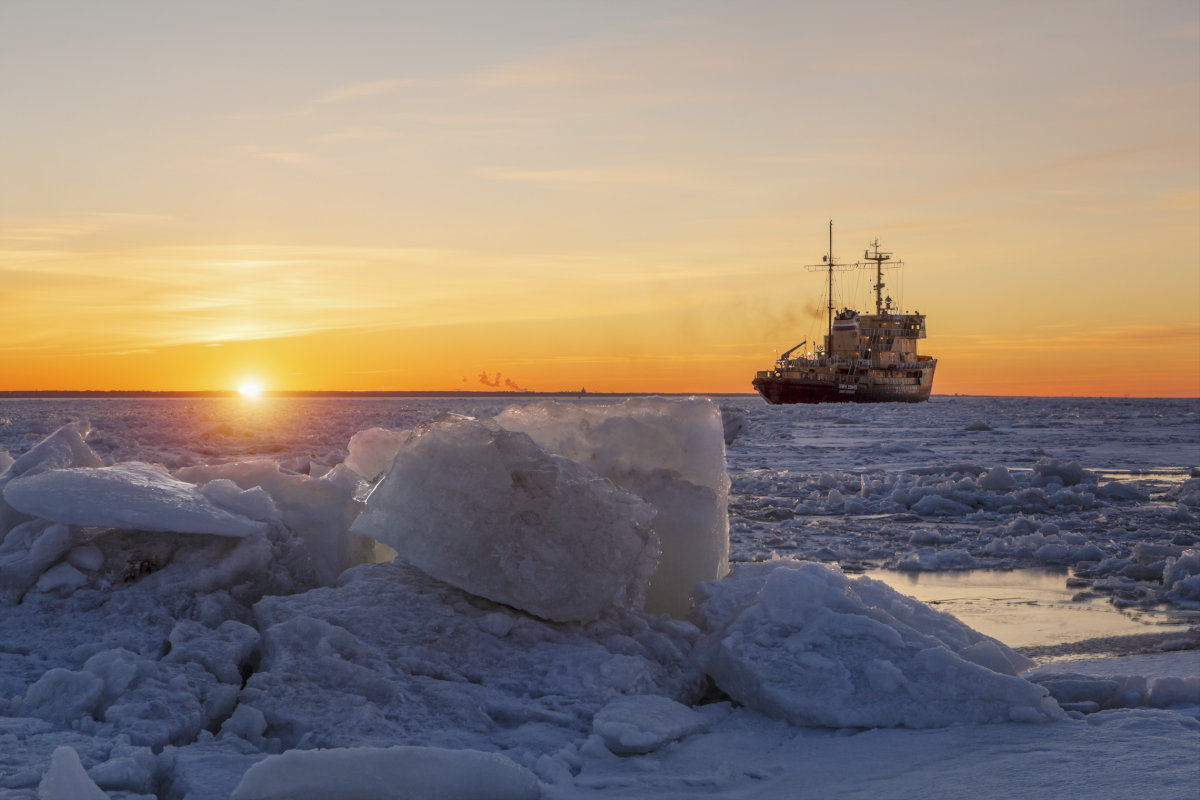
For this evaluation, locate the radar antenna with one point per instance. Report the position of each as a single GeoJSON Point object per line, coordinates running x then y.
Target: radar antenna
{"type": "Point", "coordinates": [878, 256]}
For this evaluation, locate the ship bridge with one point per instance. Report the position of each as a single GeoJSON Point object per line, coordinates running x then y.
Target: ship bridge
{"type": "Point", "coordinates": [906, 326]}
{"type": "Point", "coordinates": [884, 338]}
{"type": "Point", "coordinates": [890, 339]}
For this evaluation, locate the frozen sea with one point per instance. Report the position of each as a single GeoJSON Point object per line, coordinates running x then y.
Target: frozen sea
{"type": "Point", "coordinates": [170, 663]}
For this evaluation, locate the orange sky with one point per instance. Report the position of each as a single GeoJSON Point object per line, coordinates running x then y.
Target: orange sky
{"type": "Point", "coordinates": [621, 196]}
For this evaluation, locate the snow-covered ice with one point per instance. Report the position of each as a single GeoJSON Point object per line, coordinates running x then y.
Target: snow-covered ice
{"type": "Point", "coordinates": [65, 779]}
{"type": "Point", "coordinates": [487, 510]}
{"type": "Point", "coordinates": [371, 451]}
{"type": "Point", "coordinates": [318, 510]}
{"type": "Point", "coordinates": [393, 655]}
{"type": "Point", "coordinates": [62, 449]}
{"type": "Point", "coordinates": [802, 642]}
{"type": "Point", "coordinates": [645, 723]}
{"type": "Point", "coordinates": [378, 773]}
{"type": "Point", "coordinates": [671, 453]}
{"type": "Point", "coordinates": [150, 647]}
{"type": "Point", "coordinates": [137, 496]}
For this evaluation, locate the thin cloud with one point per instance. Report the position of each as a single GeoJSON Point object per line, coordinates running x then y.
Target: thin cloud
{"type": "Point", "coordinates": [358, 134]}
{"type": "Point", "coordinates": [287, 158]}
{"type": "Point", "coordinates": [42, 231]}
{"type": "Point", "coordinates": [41, 234]}
{"type": "Point", "coordinates": [1107, 337]}
{"type": "Point", "coordinates": [156, 297]}
{"type": "Point", "coordinates": [1095, 159]}
{"type": "Point", "coordinates": [281, 156]}
{"type": "Point", "coordinates": [665, 54]}
{"type": "Point", "coordinates": [613, 175]}
{"type": "Point", "coordinates": [1183, 199]}
{"type": "Point", "coordinates": [645, 62]}
{"type": "Point", "coordinates": [368, 89]}
{"type": "Point", "coordinates": [1188, 30]}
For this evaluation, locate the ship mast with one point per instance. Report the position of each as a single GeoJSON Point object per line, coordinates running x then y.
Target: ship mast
{"type": "Point", "coordinates": [879, 257]}
{"type": "Point", "coordinates": [830, 266]}
{"type": "Point", "coordinates": [829, 259]}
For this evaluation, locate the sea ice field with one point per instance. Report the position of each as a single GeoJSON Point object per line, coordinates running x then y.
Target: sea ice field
{"type": "Point", "coordinates": [598, 598]}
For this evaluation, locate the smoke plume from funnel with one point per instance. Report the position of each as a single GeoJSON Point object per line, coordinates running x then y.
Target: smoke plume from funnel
{"type": "Point", "coordinates": [500, 380]}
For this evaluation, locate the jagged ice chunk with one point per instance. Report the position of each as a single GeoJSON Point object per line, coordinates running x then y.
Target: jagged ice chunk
{"type": "Point", "coordinates": [669, 452]}
{"type": "Point", "coordinates": [488, 511]}
{"type": "Point", "coordinates": [802, 642]}
{"type": "Point", "coordinates": [62, 449]}
{"type": "Point", "coordinates": [132, 495]}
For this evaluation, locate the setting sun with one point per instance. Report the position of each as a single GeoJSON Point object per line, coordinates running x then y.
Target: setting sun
{"type": "Point", "coordinates": [250, 389]}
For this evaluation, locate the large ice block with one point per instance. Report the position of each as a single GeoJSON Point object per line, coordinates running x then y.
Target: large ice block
{"type": "Point", "coordinates": [62, 449]}
{"type": "Point", "coordinates": [318, 510]}
{"type": "Point", "coordinates": [670, 452]}
{"type": "Point", "coordinates": [802, 642]}
{"type": "Point", "coordinates": [487, 510]}
{"type": "Point", "coordinates": [372, 450]}
{"type": "Point", "coordinates": [131, 495]}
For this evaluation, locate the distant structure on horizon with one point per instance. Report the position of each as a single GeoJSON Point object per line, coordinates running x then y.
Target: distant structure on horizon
{"type": "Point", "coordinates": [866, 358]}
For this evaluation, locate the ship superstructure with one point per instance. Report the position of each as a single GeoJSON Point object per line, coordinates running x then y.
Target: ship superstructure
{"type": "Point", "coordinates": [865, 358]}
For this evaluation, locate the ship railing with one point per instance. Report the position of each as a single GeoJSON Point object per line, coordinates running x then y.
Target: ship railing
{"type": "Point", "coordinates": [805, 361]}
{"type": "Point", "coordinates": [867, 364]}
{"type": "Point", "coordinates": [859, 363]}
{"type": "Point", "coordinates": [807, 365]}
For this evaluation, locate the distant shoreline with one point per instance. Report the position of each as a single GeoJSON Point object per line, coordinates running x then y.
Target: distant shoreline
{"type": "Point", "coordinates": [98, 394]}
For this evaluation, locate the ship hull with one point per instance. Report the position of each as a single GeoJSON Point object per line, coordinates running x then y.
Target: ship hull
{"type": "Point", "coordinates": [782, 389]}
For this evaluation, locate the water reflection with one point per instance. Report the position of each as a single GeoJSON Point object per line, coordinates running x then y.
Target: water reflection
{"type": "Point", "coordinates": [1027, 607]}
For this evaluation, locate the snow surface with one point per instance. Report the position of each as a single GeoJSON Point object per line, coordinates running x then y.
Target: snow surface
{"type": "Point", "coordinates": [645, 723]}
{"type": "Point", "coordinates": [383, 773]}
{"type": "Point", "coordinates": [168, 663]}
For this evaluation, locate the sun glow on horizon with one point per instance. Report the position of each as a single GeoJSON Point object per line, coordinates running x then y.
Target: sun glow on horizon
{"type": "Point", "coordinates": [250, 389]}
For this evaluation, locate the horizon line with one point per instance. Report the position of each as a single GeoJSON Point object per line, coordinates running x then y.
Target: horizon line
{"type": "Point", "coordinates": [201, 393]}
{"type": "Point", "coordinates": [83, 394]}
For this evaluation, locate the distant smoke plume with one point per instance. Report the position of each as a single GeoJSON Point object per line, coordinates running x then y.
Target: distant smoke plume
{"type": "Point", "coordinates": [499, 380]}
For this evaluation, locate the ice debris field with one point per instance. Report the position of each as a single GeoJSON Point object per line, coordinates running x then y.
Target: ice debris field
{"type": "Point", "coordinates": [388, 598]}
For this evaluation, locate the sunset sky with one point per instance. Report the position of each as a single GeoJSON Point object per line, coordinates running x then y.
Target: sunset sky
{"type": "Point", "coordinates": [616, 195]}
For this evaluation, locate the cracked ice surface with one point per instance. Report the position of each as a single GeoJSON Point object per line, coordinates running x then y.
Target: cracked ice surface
{"type": "Point", "coordinates": [170, 663]}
